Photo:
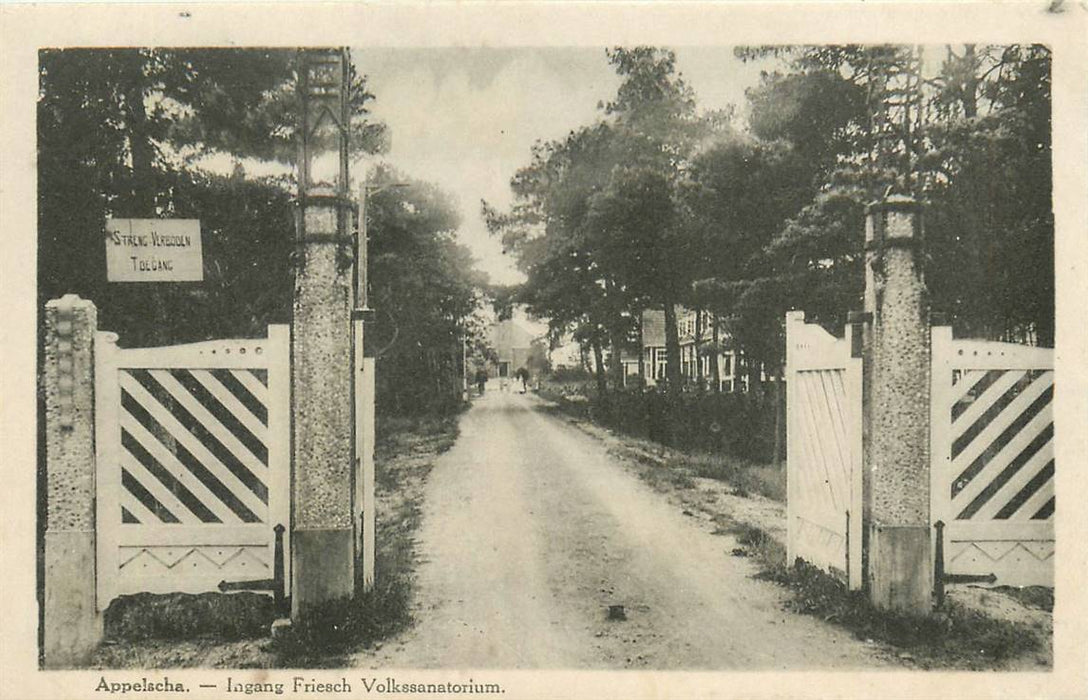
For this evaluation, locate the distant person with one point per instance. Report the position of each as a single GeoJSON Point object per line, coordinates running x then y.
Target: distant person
{"type": "Point", "coordinates": [481, 380]}
{"type": "Point", "coordinates": [523, 376]}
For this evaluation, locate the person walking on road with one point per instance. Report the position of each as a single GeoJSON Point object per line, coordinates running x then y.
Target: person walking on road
{"type": "Point", "coordinates": [522, 375]}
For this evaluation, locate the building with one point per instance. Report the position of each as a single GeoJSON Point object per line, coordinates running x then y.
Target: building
{"type": "Point", "coordinates": [513, 346]}
{"type": "Point", "coordinates": [694, 361]}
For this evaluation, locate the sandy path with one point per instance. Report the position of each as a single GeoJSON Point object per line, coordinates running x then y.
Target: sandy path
{"type": "Point", "coordinates": [531, 530]}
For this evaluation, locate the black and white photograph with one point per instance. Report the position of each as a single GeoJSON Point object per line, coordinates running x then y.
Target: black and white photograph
{"type": "Point", "coordinates": [544, 351]}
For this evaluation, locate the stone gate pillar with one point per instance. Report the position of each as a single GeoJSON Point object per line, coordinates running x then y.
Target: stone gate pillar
{"type": "Point", "coordinates": [323, 486]}
{"type": "Point", "coordinates": [323, 539]}
{"type": "Point", "coordinates": [896, 400]}
{"type": "Point", "coordinates": [72, 625]}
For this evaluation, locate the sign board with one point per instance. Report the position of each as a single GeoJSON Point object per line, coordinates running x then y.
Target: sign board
{"type": "Point", "coordinates": [153, 250]}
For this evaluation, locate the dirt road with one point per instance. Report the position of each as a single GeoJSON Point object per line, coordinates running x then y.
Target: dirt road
{"type": "Point", "coordinates": [531, 531]}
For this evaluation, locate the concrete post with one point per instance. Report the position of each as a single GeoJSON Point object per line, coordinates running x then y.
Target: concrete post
{"type": "Point", "coordinates": [72, 625]}
{"type": "Point", "coordinates": [896, 400]}
{"type": "Point", "coordinates": [323, 543]}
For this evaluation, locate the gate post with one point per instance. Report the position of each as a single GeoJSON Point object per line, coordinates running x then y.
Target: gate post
{"type": "Point", "coordinates": [794, 321]}
{"type": "Point", "coordinates": [323, 538]}
{"type": "Point", "coordinates": [323, 546]}
{"type": "Point", "coordinates": [897, 410]}
{"type": "Point", "coordinates": [72, 626]}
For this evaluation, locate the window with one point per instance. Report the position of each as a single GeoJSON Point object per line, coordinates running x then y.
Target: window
{"type": "Point", "coordinates": [659, 361]}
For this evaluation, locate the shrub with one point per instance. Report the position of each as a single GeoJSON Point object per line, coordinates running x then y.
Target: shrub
{"type": "Point", "coordinates": [741, 425]}
{"type": "Point", "coordinates": [324, 634]}
{"type": "Point", "coordinates": [186, 615]}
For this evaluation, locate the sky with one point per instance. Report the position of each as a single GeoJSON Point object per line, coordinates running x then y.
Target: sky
{"type": "Point", "coordinates": [466, 118]}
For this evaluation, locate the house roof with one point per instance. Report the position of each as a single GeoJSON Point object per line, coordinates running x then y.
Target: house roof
{"type": "Point", "coordinates": [508, 335]}
{"type": "Point", "coordinates": [653, 328]}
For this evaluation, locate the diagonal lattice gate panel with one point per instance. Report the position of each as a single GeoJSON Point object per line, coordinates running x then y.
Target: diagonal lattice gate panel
{"type": "Point", "coordinates": [993, 458]}
{"type": "Point", "coordinates": [193, 461]}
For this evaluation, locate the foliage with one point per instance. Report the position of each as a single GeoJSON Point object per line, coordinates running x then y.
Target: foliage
{"type": "Point", "coordinates": [597, 219]}
{"type": "Point", "coordinates": [972, 143]}
{"type": "Point", "coordinates": [956, 637]}
{"type": "Point", "coordinates": [538, 363]}
{"type": "Point", "coordinates": [740, 425]}
{"type": "Point", "coordinates": [326, 634]}
{"type": "Point", "coordinates": [122, 133]}
{"type": "Point", "coordinates": [185, 615]}
{"type": "Point", "coordinates": [426, 293]}
{"type": "Point", "coordinates": [118, 133]}
{"type": "Point", "coordinates": [989, 224]}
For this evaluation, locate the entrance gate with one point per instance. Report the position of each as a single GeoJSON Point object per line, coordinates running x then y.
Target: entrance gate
{"type": "Point", "coordinates": [992, 473]}
{"type": "Point", "coordinates": [824, 451]}
{"type": "Point", "coordinates": [991, 444]}
{"type": "Point", "coordinates": [193, 463]}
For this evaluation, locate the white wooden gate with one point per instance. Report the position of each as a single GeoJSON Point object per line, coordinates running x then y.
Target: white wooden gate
{"type": "Point", "coordinates": [823, 452]}
{"type": "Point", "coordinates": [193, 463]}
{"type": "Point", "coordinates": [992, 473]}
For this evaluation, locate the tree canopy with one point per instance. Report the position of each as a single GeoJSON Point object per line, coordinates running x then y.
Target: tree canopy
{"type": "Point", "coordinates": [119, 133]}
{"type": "Point", "coordinates": [124, 133]}
{"type": "Point", "coordinates": [657, 203]}
{"type": "Point", "coordinates": [971, 142]}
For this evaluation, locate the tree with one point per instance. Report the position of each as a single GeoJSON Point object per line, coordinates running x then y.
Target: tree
{"type": "Point", "coordinates": [597, 222]}
{"type": "Point", "coordinates": [119, 131]}
{"type": "Point", "coordinates": [570, 278]}
{"type": "Point", "coordinates": [989, 219]}
{"type": "Point", "coordinates": [426, 293]}
{"type": "Point", "coordinates": [972, 142]}
{"type": "Point", "coordinates": [741, 193]}
{"type": "Point", "coordinates": [638, 215]}
{"type": "Point", "coordinates": [843, 118]}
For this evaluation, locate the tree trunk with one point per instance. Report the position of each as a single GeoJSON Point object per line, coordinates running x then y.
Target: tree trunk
{"type": "Point", "coordinates": [1044, 330]}
{"type": "Point", "coordinates": [672, 348]}
{"type": "Point", "coordinates": [970, 83]}
{"type": "Point", "coordinates": [641, 356]}
{"type": "Point", "coordinates": [143, 173]}
{"type": "Point", "coordinates": [598, 358]}
{"type": "Point", "coordinates": [616, 366]}
{"type": "Point", "coordinates": [754, 384]}
{"type": "Point", "coordinates": [698, 344]}
{"type": "Point", "coordinates": [779, 417]}
{"type": "Point", "coordinates": [715, 369]}
{"type": "Point", "coordinates": [615, 337]}
{"type": "Point", "coordinates": [142, 204]}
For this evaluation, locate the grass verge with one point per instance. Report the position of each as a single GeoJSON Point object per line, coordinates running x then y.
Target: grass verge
{"type": "Point", "coordinates": [232, 617]}
{"type": "Point", "coordinates": [954, 637]}
{"type": "Point", "coordinates": [679, 466]}
{"type": "Point", "coordinates": [325, 635]}
{"type": "Point", "coordinates": [745, 477]}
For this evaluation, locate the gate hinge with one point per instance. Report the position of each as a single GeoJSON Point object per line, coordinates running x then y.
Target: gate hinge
{"type": "Point", "coordinates": [940, 578]}
{"type": "Point", "coordinates": [857, 319]}
{"type": "Point", "coordinates": [274, 584]}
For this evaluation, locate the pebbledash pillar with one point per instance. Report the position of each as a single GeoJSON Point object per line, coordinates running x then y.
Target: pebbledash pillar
{"type": "Point", "coordinates": [896, 400]}
{"type": "Point", "coordinates": [323, 541]}
{"type": "Point", "coordinates": [72, 624]}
